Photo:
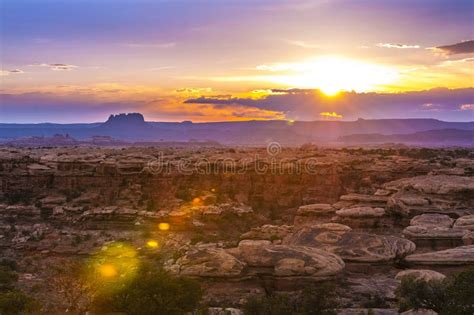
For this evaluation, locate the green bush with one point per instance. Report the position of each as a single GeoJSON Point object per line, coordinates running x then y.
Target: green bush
{"type": "Point", "coordinates": [453, 296]}
{"type": "Point", "coordinates": [14, 302]}
{"type": "Point", "coordinates": [151, 292]}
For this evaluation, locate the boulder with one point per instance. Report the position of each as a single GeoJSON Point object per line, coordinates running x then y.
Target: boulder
{"type": "Point", "coordinates": [351, 246]}
{"type": "Point", "coordinates": [434, 184]}
{"type": "Point", "coordinates": [432, 220]}
{"type": "Point", "coordinates": [420, 275]}
{"type": "Point", "coordinates": [268, 232]}
{"type": "Point", "coordinates": [468, 239]}
{"type": "Point", "coordinates": [463, 255]}
{"type": "Point", "coordinates": [289, 261]}
{"type": "Point", "coordinates": [465, 222]}
{"type": "Point", "coordinates": [208, 262]}
{"type": "Point", "coordinates": [435, 233]}
{"type": "Point", "coordinates": [361, 212]}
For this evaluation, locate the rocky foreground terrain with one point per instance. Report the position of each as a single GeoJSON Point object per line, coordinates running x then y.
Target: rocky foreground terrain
{"type": "Point", "coordinates": [243, 221]}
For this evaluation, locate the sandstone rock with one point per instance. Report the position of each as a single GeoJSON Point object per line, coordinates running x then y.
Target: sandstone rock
{"type": "Point", "coordinates": [382, 192]}
{"type": "Point", "coordinates": [286, 261]}
{"type": "Point", "coordinates": [432, 220]}
{"type": "Point", "coordinates": [208, 262]}
{"type": "Point", "coordinates": [430, 232]}
{"type": "Point", "coordinates": [351, 246]}
{"type": "Point", "coordinates": [420, 275]}
{"type": "Point", "coordinates": [364, 311]}
{"type": "Point", "coordinates": [437, 184]}
{"type": "Point", "coordinates": [361, 212]}
{"type": "Point", "coordinates": [468, 239]}
{"type": "Point", "coordinates": [268, 232]}
{"type": "Point", "coordinates": [53, 200]}
{"type": "Point", "coordinates": [465, 222]}
{"type": "Point", "coordinates": [316, 209]}
{"type": "Point", "coordinates": [421, 311]}
{"type": "Point", "coordinates": [365, 198]}
{"type": "Point", "coordinates": [463, 255]}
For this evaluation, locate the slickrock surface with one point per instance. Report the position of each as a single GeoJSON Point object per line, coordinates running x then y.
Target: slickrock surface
{"type": "Point", "coordinates": [288, 260]}
{"type": "Point", "coordinates": [353, 220]}
{"type": "Point", "coordinates": [208, 262]}
{"type": "Point", "coordinates": [361, 212]}
{"type": "Point", "coordinates": [463, 255]}
{"type": "Point", "coordinates": [350, 245]}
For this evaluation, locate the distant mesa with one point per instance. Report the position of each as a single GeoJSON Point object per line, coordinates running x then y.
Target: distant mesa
{"type": "Point", "coordinates": [125, 119]}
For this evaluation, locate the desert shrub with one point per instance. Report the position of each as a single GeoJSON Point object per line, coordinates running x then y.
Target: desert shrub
{"type": "Point", "coordinates": [313, 300]}
{"type": "Point", "coordinates": [460, 294]}
{"type": "Point", "coordinates": [270, 305]}
{"type": "Point", "coordinates": [453, 296]}
{"type": "Point", "coordinates": [7, 279]}
{"type": "Point", "coordinates": [12, 300]}
{"type": "Point", "coordinates": [151, 292]}
{"type": "Point", "coordinates": [417, 294]}
{"type": "Point", "coordinates": [319, 300]}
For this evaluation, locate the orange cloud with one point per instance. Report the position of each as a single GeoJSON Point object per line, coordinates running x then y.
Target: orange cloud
{"type": "Point", "coordinates": [330, 115]}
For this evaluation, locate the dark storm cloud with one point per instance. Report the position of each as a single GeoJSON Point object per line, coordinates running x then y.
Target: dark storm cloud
{"type": "Point", "coordinates": [465, 47]}
{"type": "Point", "coordinates": [299, 104]}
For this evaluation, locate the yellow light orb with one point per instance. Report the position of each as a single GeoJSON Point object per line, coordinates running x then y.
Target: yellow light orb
{"type": "Point", "coordinates": [164, 226]}
{"type": "Point", "coordinates": [107, 270]}
{"type": "Point", "coordinates": [152, 244]}
{"type": "Point", "coordinates": [196, 201]}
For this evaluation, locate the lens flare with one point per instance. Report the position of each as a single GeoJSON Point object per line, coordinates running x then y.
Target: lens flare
{"type": "Point", "coordinates": [107, 270]}
{"type": "Point", "coordinates": [197, 201]}
{"type": "Point", "coordinates": [152, 244]}
{"type": "Point", "coordinates": [163, 226]}
{"type": "Point", "coordinates": [113, 266]}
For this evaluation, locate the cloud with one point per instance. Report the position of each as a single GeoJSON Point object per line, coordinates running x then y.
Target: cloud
{"type": "Point", "coordinates": [465, 47]}
{"type": "Point", "coordinates": [305, 104]}
{"type": "Point", "coordinates": [397, 46]}
{"type": "Point", "coordinates": [4, 73]}
{"type": "Point", "coordinates": [303, 44]}
{"type": "Point", "coordinates": [466, 107]}
{"type": "Point", "coordinates": [151, 45]}
{"type": "Point", "coordinates": [330, 115]}
{"type": "Point", "coordinates": [56, 66]}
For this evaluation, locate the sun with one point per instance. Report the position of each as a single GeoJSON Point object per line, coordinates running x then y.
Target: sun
{"type": "Point", "coordinates": [332, 74]}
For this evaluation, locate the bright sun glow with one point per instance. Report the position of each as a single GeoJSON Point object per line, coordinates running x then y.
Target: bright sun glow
{"type": "Point", "coordinates": [333, 74]}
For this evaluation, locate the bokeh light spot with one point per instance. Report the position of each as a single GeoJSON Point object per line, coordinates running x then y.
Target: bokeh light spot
{"type": "Point", "coordinates": [163, 226]}
{"type": "Point", "coordinates": [107, 270]}
{"type": "Point", "coordinates": [152, 244]}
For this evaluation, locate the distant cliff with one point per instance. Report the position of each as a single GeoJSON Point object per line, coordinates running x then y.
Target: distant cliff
{"type": "Point", "coordinates": [133, 127]}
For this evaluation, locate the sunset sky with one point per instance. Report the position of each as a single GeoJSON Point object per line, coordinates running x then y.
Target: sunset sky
{"type": "Point", "coordinates": [204, 60]}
